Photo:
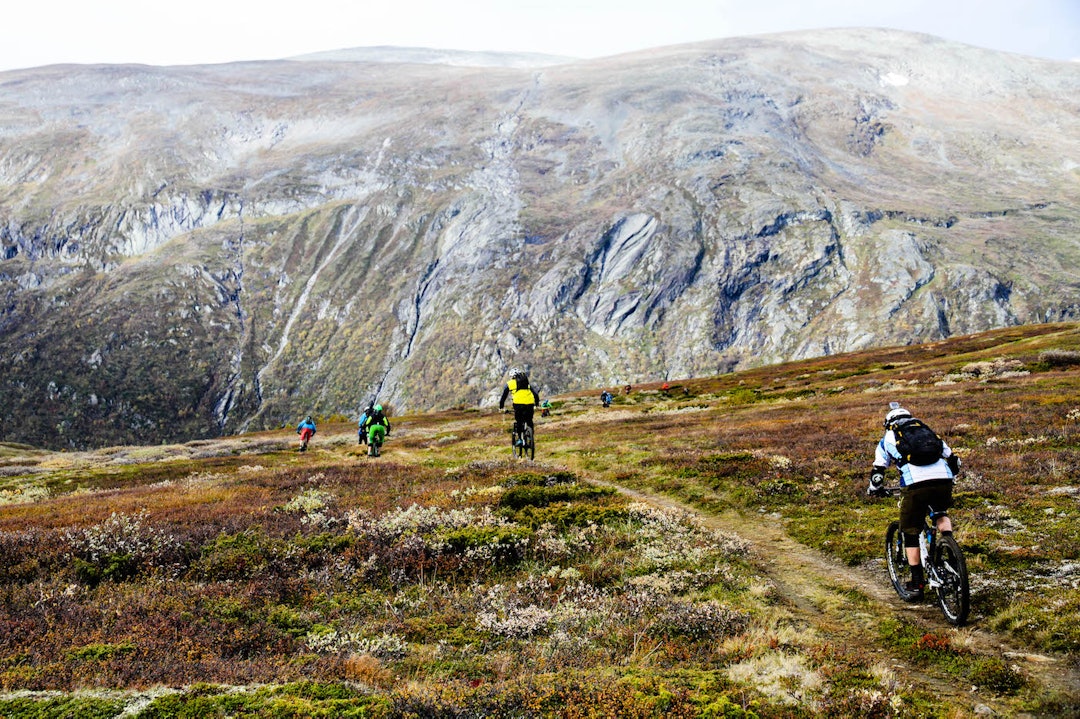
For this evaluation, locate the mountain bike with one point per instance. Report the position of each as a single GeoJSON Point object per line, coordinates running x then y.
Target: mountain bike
{"type": "Point", "coordinates": [523, 442]}
{"type": "Point", "coordinates": [375, 444]}
{"type": "Point", "coordinates": [943, 565]}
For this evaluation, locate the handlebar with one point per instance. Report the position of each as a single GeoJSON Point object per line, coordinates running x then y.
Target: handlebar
{"type": "Point", "coordinates": [888, 491]}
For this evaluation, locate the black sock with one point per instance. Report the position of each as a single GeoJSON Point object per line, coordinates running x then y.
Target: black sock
{"type": "Point", "coordinates": [946, 533]}
{"type": "Point", "coordinates": [916, 573]}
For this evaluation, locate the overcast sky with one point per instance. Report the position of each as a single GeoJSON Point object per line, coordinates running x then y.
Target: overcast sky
{"type": "Point", "coordinates": [178, 32]}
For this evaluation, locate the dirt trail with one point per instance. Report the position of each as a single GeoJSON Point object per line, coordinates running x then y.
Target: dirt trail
{"type": "Point", "coordinates": [813, 586]}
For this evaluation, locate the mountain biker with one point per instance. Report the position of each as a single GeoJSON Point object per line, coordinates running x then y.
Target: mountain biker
{"type": "Point", "coordinates": [524, 398]}
{"type": "Point", "coordinates": [605, 398]}
{"type": "Point", "coordinates": [361, 434]}
{"type": "Point", "coordinates": [545, 408]}
{"type": "Point", "coordinates": [377, 426]}
{"type": "Point", "coordinates": [306, 430]}
{"type": "Point", "coordinates": [921, 486]}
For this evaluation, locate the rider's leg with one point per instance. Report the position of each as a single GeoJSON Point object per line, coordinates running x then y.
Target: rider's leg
{"type": "Point", "coordinates": [527, 411]}
{"type": "Point", "coordinates": [522, 417]}
{"type": "Point", "coordinates": [912, 512]}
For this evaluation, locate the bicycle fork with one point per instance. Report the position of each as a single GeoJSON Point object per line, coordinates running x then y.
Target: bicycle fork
{"type": "Point", "coordinates": [933, 581]}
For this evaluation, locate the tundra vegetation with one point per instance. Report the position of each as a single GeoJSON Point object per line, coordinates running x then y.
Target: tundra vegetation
{"type": "Point", "coordinates": [705, 551]}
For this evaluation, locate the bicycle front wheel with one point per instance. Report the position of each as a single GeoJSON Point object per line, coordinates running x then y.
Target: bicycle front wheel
{"type": "Point", "coordinates": [954, 594]}
{"type": "Point", "coordinates": [896, 560]}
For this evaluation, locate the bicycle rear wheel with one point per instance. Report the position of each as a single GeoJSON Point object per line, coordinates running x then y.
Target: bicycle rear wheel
{"type": "Point", "coordinates": [896, 560]}
{"type": "Point", "coordinates": [954, 594]}
{"type": "Point", "coordinates": [530, 444]}
{"type": "Point", "coordinates": [515, 444]}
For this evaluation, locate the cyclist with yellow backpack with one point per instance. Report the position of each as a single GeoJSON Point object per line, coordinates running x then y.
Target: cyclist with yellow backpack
{"type": "Point", "coordinates": [524, 398]}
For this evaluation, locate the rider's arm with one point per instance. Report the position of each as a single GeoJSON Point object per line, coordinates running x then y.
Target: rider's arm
{"type": "Point", "coordinates": [882, 456]}
{"type": "Point", "coordinates": [505, 394]}
{"type": "Point", "coordinates": [882, 460]}
{"type": "Point", "coordinates": [951, 460]}
{"type": "Point", "coordinates": [536, 397]}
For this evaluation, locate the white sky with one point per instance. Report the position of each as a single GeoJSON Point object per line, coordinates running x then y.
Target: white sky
{"type": "Point", "coordinates": [177, 32]}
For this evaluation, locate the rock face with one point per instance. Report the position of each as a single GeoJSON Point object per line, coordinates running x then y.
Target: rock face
{"type": "Point", "coordinates": [188, 251]}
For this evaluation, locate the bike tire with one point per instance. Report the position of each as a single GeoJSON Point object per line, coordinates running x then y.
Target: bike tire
{"type": "Point", "coordinates": [517, 450]}
{"type": "Point", "coordinates": [530, 444]}
{"type": "Point", "coordinates": [896, 561]}
{"type": "Point", "coordinates": [954, 594]}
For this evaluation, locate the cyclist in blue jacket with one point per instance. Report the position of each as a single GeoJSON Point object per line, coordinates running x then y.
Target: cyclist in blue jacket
{"type": "Point", "coordinates": [306, 430]}
{"type": "Point", "coordinates": [360, 430]}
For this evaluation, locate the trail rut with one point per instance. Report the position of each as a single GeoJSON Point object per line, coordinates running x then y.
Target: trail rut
{"type": "Point", "coordinates": [813, 587]}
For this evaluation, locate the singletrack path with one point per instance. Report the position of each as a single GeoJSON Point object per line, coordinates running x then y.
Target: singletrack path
{"type": "Point", "coordinates": [814, 589]}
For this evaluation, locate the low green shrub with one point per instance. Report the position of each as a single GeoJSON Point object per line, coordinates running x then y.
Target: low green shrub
{"type": "Point", "coordinates": [519, 497]}
{"type": "Point", "coordinates": [99, 652]}
{"type": "Point", "coordinates": [563, 516]}
{"type": "Point", "coordinates": [995, 674]}
{"type": "Point", "coordinates": [498, 544]}
{"type": "Point", "coordinates": [60, 708]}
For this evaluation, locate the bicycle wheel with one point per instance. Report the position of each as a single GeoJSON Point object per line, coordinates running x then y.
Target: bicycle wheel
{"type": "Point", "coordinates": [515, 446]}
{"type": "Point", "coordinates": [896, 560]}
{"type": "Point", "coordinates": [529, 442]}
{"type": "Point", "coordinates": [954, 594]}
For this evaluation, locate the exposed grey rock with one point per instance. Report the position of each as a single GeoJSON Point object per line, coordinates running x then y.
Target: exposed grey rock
{"type": "Point", "coordinates": [236, 245]}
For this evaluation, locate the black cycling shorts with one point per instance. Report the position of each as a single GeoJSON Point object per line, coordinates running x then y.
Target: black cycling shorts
{"type": "Point", "coordinates": [523, 415]}
{"type": "Point", "coordinates": [917, 499]}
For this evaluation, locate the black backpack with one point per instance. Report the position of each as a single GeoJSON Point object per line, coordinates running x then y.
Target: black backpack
{"type": "Point", "coordinates": [917, 443]}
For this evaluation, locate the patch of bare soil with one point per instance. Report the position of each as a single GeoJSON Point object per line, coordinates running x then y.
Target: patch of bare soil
{"type": "Point", "coordinates": [815, 590]}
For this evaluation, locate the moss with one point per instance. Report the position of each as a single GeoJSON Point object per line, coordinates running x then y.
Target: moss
{"type": "Point", "coordinates": [519, 497]}
{"type": "Point", "coordinates": [308, 699]}
{"type": "Point", "coordinates": [99, 652]}
{"type": "Point", "coordinates": [60, 708]}
{"type": "Point", "coordinates": [563, 516]}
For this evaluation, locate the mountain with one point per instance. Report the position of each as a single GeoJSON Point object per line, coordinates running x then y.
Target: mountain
{"type": "Point", "coordinates": [191, 251]}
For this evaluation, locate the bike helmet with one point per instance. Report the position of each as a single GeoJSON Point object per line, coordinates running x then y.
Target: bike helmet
{"type": "Point", "coordinates": [894, 414]}
{"type": "Point", "coordinates": [377, 408]}
{"type": "Point", "coordinates": [516, 372]}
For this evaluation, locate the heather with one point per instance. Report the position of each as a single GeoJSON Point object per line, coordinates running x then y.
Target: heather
{"type": "Point", "coordinates": [703, 551]}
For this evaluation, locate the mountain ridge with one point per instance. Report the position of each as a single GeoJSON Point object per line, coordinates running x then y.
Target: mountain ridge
{"type": "Point", "coordinates": [193, 250]}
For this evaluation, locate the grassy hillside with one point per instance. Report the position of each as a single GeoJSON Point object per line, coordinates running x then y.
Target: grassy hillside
{"type": "Point", "coordinates": [702, 551]}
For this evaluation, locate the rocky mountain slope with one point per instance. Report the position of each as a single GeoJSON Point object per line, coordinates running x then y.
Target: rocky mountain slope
{"type": "Point", "coordinates": [195, 250]}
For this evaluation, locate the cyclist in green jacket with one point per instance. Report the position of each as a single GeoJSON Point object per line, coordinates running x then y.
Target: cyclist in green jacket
{"type": "Point", "coordinates": [377, 425]}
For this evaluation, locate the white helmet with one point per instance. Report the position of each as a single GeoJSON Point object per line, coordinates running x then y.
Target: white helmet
{"type": "Point", "coordinates": [895, 412]}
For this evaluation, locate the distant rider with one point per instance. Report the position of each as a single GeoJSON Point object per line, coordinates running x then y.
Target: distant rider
{"type": "Point", "coordinates": [922, 486]}
{"type": "Point", "coordinates": [306, 430]}
{"type": "Point", "coordinates": [524, 398]}
{"type": "Point", "coordinates": [361, 433]}
{"type": "Point", "coordinates": [605, 398]}
{"type": "Point", "coordinates": [377, 426]}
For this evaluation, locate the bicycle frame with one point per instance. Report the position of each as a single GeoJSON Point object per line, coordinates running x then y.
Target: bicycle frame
{"type": "Point", "coordinates": [944, 567]}
{"type": "Point", "coordinates": [527, 438]}
{"type": "Point", "coordinates": [927, 538]}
